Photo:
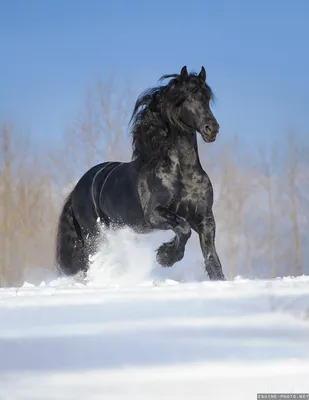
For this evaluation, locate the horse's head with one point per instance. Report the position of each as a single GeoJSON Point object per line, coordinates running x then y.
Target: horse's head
{"type": "Point", "coordinates": [192, 98]}
{"type": "Point", "coordinates": [163, 112]}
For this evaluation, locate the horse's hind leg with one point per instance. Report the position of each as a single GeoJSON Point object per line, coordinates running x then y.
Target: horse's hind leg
{"type": "Point", "coordinates": [207, 230]}
{"type": "Point", "coordinates": [171, 252]}
{"type": "Point", "coordinates": [91, 234]}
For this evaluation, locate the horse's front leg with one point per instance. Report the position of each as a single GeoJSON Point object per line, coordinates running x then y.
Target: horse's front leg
{"type": "Point", "coordinates": [207, 232]}
{"type": "Point", "coordinates": [162, 218]}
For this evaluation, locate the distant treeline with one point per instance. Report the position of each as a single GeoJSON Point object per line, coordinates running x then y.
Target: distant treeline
{"type": "Point", "coordinates": [261, 203]}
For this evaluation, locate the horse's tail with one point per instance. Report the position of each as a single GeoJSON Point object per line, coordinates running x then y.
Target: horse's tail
{"type": "Point", "coordinates": [70, 249]}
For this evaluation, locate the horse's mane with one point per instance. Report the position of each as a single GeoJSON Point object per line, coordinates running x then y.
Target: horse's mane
{"type": "Point", "coordinates": [155, 118]}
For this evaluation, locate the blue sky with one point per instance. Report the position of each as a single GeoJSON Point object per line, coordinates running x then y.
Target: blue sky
{"type": "Point", "coordinates": [255, 53]}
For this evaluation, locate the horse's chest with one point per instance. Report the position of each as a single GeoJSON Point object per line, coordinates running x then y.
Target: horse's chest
{"type": "Point", "coordinates": [195, 187]}
{"type": "Point", "coordinates": [188, 191]}
{"type": "Point", "coordinates": [196, 194]}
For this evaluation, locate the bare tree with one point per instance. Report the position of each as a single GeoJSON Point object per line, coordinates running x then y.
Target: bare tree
{"type": "Point", "coordinates": [267, 184]}
{"type": "Point", "coordinates": [5, 196]}
{"type": "Point", "coordinates": [293, 165]}
{"type": "Point", "coordinates": [100, 132]}
{"type": "Point", "coordinates": [26, 201]}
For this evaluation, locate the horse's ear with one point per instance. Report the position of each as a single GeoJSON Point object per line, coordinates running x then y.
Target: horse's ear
{"type": "Point", "coordinates": [202, 74]}
{"type": "Point", "coordinates": [183, 73]}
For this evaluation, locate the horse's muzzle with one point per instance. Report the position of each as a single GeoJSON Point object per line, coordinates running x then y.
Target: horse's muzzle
{"type": "Point", "coordinates": [209, 132]}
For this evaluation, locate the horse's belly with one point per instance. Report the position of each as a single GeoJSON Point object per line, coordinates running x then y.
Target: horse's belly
{"type": "Point", "coordinates": [122, 210]}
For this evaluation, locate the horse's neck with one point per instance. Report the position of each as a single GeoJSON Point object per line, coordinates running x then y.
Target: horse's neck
{"type": "Point", "coordinates": [185, 150]}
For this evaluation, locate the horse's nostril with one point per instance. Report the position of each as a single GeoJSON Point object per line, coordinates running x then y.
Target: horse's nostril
{"type": "Point", "coordinates": [207, 129]}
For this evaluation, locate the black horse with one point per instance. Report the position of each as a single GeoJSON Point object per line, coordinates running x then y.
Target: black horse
{"type": "Point", "coordinates": [163, 187]}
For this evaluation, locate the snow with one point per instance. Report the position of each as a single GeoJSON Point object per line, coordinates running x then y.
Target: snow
{"type": "Point", "coordinates": [147, 335]}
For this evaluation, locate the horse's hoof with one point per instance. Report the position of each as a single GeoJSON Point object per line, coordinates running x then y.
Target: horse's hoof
{"type": "Point", "coordinates": [168, 255]}
{"type": "Point", "coordinates": [217, 277]}
{"type": "Point", "coordinates": [164, 260]}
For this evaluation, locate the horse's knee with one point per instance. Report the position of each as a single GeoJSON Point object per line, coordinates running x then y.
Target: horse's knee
{"type": "Point", "coordinates": [185, 230]}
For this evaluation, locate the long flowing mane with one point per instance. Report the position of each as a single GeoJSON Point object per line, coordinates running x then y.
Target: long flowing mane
{"type": "Point", "coordinates": [155, 118]}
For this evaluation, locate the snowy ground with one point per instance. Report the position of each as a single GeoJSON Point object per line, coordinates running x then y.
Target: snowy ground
{"type": "Point", "coordinates": [153, 337]}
